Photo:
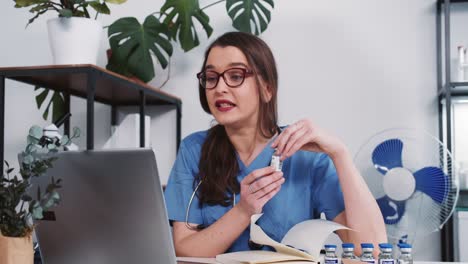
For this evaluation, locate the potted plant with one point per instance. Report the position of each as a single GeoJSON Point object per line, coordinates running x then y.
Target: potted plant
{"type": "Point", "coordinates": [18, 208]}
{"type": "Point", "coordinates": [73, 25]}
{"type": "Point", "coordinates": [133, 44]}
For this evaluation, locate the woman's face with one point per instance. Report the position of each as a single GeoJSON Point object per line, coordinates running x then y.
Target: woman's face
{"type": "Point", "coordinates": [232, 107]}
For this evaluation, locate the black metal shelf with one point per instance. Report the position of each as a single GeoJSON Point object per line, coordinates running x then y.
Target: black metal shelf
{"type": "Point", "coordinates": [459, 84]}
{"type": "Point", "coordinates": [94, 84]}
{"type": "Point", "coordinates": [445, 92]}
{"type": "Point", "coordinates": [456, 89]}
{"type": "Point", "coordinates": [110, 88]}
{"type": "Point", "coordinates": [452, 1]}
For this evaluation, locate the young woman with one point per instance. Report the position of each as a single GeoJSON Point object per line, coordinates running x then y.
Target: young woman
{"type": "Point", "coordinates": [222, 176]}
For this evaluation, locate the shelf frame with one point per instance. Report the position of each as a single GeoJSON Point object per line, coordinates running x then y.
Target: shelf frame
{"type": "Point", "coordinates": [447, 90]}
{"type": "Point", "coordinates": [95, 84]}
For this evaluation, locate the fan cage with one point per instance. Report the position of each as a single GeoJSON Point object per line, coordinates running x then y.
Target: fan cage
{"type": "Point", "coordinates": [422, 214]}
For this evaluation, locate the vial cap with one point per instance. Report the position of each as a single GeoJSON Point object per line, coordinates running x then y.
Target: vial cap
{"type": "Point", "coordinates": [347, 245]}
{"type": "Point", "coordinates": [367, 245]}
{"type": "Point", "coordinates": [404, 245]}
{"type": "Point", "coordinates": [385, 245]}
{"type": "Point", "coordinates": [330, 246]}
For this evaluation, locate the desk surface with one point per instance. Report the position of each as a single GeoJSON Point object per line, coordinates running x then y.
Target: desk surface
{"type": "Point", "coordinates": [184, 260]}
{"type": "Point", "coordinates": [181, 260]}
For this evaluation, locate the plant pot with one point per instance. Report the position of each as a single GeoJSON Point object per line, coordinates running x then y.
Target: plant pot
{"type": "Point", "coordinates": [74, 40]}
{"type": "Point", "coordinates": [16, 250]}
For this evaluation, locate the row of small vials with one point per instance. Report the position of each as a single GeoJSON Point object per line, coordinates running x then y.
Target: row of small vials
{"type": "Point", "coordinates": [385, 256]}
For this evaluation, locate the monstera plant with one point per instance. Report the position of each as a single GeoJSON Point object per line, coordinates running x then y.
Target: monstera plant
{"type": "Point", "coordinates": [133, 44]}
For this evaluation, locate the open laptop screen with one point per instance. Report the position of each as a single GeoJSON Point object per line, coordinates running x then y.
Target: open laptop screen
{"type": "Point", "coordinates": [112, 210]}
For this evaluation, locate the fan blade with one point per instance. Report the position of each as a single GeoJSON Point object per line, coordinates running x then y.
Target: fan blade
{"type": "Point", "coordinates": [392, 211]}
{"type": "Point", "coordinates": [387, 155]}
{"type": "Point", "coordinates": [433, 182]}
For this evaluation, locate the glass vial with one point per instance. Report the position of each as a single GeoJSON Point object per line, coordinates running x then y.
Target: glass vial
{"type": "Point", "coordinates": [367, 250]}
{"type": "Point", "coordinates": [348, 252]}
{"type": "Point", "coordinates": [276, 162]}
{"type": "Point", "coordinates": [405, 254]}
{"type": "Point", "coordinates": [386, 255]}
{"type": "Point", "coordinates": [330, 254]}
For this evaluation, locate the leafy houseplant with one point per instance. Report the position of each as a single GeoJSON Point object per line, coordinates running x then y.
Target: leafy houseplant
{"type": "Point", "coordinates": [133, 44]}
{"type": "Point", "coordinates": [66, 8]}
{"type": "Point", "coordinates": [17, 207]}
{"type": "Point", "coordinates": [68, 32]}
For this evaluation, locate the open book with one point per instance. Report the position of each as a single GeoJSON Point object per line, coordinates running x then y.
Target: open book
{"type": "Point", "coordinates": [301, 244]}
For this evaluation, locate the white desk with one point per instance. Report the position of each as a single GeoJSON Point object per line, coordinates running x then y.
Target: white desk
{"type": "Point", "coordinates": [181, 260]}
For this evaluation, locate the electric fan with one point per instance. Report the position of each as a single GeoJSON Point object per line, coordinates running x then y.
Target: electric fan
{"type": "Point", "coordinates": [410, 174]}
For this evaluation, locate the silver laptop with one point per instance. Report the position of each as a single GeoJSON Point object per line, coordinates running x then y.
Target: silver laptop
{"type": "Point", "coordinates": [112, 210]}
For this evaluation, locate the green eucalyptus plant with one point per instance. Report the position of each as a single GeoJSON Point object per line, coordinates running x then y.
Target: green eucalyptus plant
{"type": "Point", "coordinates": [66, 8]}
{"type": "Point", "coordinates": [133, 44]}
{"type": "Point", "coordinates": [17, 207]}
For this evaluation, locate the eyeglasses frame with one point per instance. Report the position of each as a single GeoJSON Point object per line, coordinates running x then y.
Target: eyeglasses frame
{"type": "Point", "coordinates": [247, 73]}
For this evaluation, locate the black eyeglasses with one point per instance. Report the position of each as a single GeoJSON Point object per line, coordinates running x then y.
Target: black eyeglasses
{"type": "Point", "coordinates": [233, 77]}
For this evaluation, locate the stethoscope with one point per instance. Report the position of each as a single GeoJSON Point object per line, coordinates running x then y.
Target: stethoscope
{"type": "Point", "coordinates": [187, 211]}
{"type": "Point", "coordinates": [199, 227]}
{"type": "Point", "coordinates": [252, 245]}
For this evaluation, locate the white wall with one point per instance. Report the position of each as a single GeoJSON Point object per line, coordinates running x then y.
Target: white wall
{"type": "Point", "coordinates": [354, 67]}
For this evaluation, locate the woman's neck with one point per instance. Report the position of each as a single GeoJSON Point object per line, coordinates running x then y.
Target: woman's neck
{"type": "Point", "coordinates": [248, 142]}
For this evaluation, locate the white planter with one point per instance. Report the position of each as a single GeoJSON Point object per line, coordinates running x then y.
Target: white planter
{"type": "Point", "coordinates": [74, 40]}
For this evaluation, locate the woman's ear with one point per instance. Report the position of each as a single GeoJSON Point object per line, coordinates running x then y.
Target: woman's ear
{"type": "Point", "coordinates": [266, 92]}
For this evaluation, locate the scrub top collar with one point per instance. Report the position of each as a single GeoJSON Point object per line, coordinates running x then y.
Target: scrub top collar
{"type": "Point", "coordinates": [263, 157]}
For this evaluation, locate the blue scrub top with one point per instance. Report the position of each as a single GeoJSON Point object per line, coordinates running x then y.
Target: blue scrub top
{"type": "Point", "coordinates": [311, 187]}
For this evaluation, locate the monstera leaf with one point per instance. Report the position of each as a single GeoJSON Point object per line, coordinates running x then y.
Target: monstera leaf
{"type": "Point", "coordinates": [57, 102]}
{"type": "Point", "coordinates": [250, 16]}
{"type": "Point", "coordinates": [180, 21]}
{"type": "Point", "coordinates": [132, 45]}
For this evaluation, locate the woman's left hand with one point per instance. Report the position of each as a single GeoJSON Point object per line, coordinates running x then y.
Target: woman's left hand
{"type": "Point", "coordinates": [305, 135]}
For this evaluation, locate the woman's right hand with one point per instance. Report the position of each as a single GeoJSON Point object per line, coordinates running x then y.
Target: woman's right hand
{"type": "Point", "coordinates": [258, 188]}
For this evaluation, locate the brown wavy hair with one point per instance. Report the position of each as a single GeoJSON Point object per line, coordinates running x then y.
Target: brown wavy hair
{"type": "Point", "coordinates": [218, 166]}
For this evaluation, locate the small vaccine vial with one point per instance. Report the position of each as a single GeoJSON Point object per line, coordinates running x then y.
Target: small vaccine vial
{"type": "Point", "coordinates": [367, 250]}
{"type": "Point", "coordinates": [276, 162]}
{"type": "Point", "coordinates": [386, 255]}
{"type": "Point", "coordinates": [405, 254]}
{"type": "Point", "coordinates": [348, 252]}
{"type": "Point", "coordinates": [330, 254]}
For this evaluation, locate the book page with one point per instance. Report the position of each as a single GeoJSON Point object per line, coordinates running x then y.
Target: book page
{"type": "Point", "coordinates": [308, 235]}
{"type": "Point", "coordinates": [258, 257]}
{"type": "Point", "coordinates": [258, 236]}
